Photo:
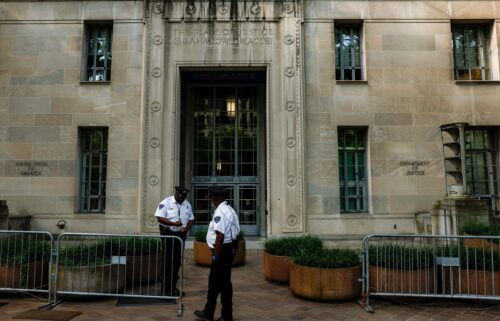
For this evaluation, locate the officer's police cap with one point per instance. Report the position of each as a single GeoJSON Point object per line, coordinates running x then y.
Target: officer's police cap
{"type": "Point", "coordinates": [217, 190]}
{"type": "Point", "coordinates": [181, 191]}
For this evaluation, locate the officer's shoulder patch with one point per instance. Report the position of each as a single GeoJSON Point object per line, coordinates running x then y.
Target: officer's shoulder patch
{"type": "Point", "coordinates": [161, 206]}
{"type": "Point", "coordinates": [217, 219]}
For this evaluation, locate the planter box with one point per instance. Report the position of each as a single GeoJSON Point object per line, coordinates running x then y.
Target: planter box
{"type": "Point", "coordinates": [144, 269]}
{"type": "Point", "coordinates": [384, 280]}
{"type": "Point", "coordinates": [33, 275]}
{"type": "Point", "coordinates": [203, 255]}
{"type": "Point", "coordinates": [325, 284]}
{"type": "Point", "coordinates": [276, 267]}
{"type": "Point", "coordinates": [108, 278]}
{"type": "Point", "coordinates": [475, 282]}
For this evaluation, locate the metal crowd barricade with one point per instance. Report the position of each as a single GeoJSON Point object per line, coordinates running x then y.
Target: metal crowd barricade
{"type": "Point", "coordinates": [118, 265]}
{"type": "Point", "coordinates": [25, 261]}
{"type": "Point", "coordinates": [454, 267]}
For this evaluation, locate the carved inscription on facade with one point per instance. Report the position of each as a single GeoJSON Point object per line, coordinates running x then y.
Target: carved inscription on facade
{"type": "Point", "coordinates": [31, 168]}
{"type": "Point", "coordinates": [415, 168]}
{"type": "Point", "coordinates": [222, 36]}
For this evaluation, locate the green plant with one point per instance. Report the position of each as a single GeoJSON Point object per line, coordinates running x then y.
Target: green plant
{"type": "Point", "coordinates": [89, 254]}
{"type": "Point", "coordinates": [475, 228]}
{"type": "Point", "coordinates": [132, 246]}
{"type": "Point", "coordinates": [24, 249]}
{"type": "Point", "coordinates": [398, 256]}
{"type": "Point", "coordinates": [201, 235]}
{"type": "Point", "coordinates": [240, 236]}
{"type": "Point", "coordinates": [472, 258]}
{"type": "Point", "coordinates": [292, 245]}
{"type": "Point", "coordinates": [328, 258]}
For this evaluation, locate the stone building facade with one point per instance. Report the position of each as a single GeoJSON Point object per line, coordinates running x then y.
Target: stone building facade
{"type": "Point", "coordinates": [323, 117]}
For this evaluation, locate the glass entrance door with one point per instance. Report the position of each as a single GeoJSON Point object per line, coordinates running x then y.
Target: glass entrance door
{"type": "Point", "coordinates": [225, 149]}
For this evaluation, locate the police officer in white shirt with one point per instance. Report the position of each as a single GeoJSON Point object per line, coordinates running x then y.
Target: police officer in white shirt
{"type": "Point", "coordinates": [175, 217]}
{"type": "Point", "coordinates": [221, 238]}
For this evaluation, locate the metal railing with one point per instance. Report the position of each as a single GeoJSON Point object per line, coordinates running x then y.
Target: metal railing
{"type": "Point", "coordinates": [465, 267]}
{"type": "Point", "coordinates": [119, 265]}
{"type": "Point", "coordinates": [25, 260]}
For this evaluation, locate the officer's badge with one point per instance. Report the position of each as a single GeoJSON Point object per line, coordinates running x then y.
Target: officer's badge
{"type": "Point", "coordinates": [217, 219]}
{"type": "Point", "coordinates": [161, 206]}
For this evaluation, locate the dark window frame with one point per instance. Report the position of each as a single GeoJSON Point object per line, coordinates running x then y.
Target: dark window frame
{"type": "Point", "coordinates": [360, 181]}
{"type": "Point", "coordinates": [463, 56]}
{"type": "Point", "coordinates": [92, 190]}
{"type": "Point", "coordinates": [351, 71]}
{"type": "Point", "coordinates": [91, 69]}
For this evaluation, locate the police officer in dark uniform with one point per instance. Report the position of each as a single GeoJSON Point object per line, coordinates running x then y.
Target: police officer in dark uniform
{"type": "Point", "coordinates": [221, 238]}
{"type": "Point", "coordinates": [175, 217]}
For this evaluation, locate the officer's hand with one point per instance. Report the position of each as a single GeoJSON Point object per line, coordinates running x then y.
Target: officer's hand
{"type": "Point", "coordinates": [178, 223]}
{"type": "Point", "coordinates": [183, 230]}
{"type": "Point", "coordinates": [215, 258]}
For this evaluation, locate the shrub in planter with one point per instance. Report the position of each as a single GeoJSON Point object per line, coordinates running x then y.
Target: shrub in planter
{"type": "Point", "coordinates": [277, 253]}
{"type": "Point", "coordinates": [474, 228]}
{"type": "Point", "coordinates": [326, 274]}
{"type": "Point", "coordinates": [401, 268]}
{"type": "Point", "coordinates": [143, 258]}
{"type": "Point", "coordinates": [87, 267]}
{"type": "Point", "coordinates": [203, 255]}
{"type": "Point", "coordinates": [24, 263]}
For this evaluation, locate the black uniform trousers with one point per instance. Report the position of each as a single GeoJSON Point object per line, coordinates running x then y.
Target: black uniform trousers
{"type": "Point", "coordinates": [219, 281]}
{"type": "Point", "coordinates": [172, 253]}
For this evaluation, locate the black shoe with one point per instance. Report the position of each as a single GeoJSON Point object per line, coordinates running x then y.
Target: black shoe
{"type": "Point", "coordinates": [203, 315]}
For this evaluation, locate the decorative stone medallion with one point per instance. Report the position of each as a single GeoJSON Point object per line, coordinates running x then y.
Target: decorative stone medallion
{"type": "Point", "coordinates": [223, 9]}
{"type": "Point", "coordinates": [156, 72]}
{"type": "Point", "coordinates": [288, 8]}
{"type": "Point", "coordinates": [289, 72]}
{"type": "Point", "coordinates": [289, 39]}
{"type": "Point", "coordinates": [154, 142]}
{"type": "Point", "coordinates": [157, 40]}
{"type": "Point", "coordinates": [152, 220]}
{"type": "Point", "coordinates": [190, 9]}
{"type": "Point", "coordinates": [255, 8]}
{"type": "Point", "coordinates": [158, 8]}
{"type": "Point", "coordinates": [155, 106]}
{"type": "Point", "coordinates": [291, 180]}
{"type": "Point", "coordinates": [291, 220]}
{"type": "Point", "coordinates": [290, 142]}
{"type": "Point", "coordinates": [290, 106]}
{"type": "Point", "coordinates": [153, 180]}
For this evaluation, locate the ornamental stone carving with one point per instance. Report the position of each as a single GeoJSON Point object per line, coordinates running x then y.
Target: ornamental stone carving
{"type": "Point", "coordinates": [292, 180]}
{"type": "Point", "coordinates": [152, 221]}
{"type": "Point", "coordinates": [157, 40]}
{"type": "Point", "coordinates": [290, 106]}
{"type": "Point", "coordinates": [158, 7]}
{"type": "Point", "coordinates": [289, 72]}
{"type": "Point", "coordinates": [255, 8]}
{"type": "Point", "coordinates": [153, 180]}
{"type": "Point", "coordinates": [156, 72]}
{"type": "Point", "coordinates": [190, 9]}
{"type": "Point", "coordinates": [289, 39]}
{"type": "Point", "coordinates": [223, 9]}
{"type": "Point", "coordinates": [290, 142]}
{"type": "Point", "coordinates": [291, 220]}
{"type": "Point", "coordinates": [288, 8]}
{"type": "Point", "coordinates": [155, 106]}
{"type": "Point", "coordinates": [154, 142]}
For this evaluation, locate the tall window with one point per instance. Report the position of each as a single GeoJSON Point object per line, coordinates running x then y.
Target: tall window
{"type": "Point", "coordinates": [93, 168]}
{"type": "Point", "coordinates": [480, 165]}
{"type": "Point", "coordinates": [471, 51]}
{"type": "Point", "coordinates": [352, 170]}
{"type": "Point", "coordinates": [98, 52]}
{"type": "Point", "coordinates": [348, 52]}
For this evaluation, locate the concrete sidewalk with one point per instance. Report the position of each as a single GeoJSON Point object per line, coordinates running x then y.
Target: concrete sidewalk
{"type": "Point", "coordinates": [256, 299]}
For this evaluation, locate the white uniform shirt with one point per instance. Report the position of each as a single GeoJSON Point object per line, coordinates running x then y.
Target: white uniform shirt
{"type": "Point", "coordinates": [224, 221]}
{"type": "Point", "coordinates": [174, 212]}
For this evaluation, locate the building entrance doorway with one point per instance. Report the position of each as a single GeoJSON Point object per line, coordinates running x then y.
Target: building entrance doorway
{"type": "Point", "coordinates": [224, 138]}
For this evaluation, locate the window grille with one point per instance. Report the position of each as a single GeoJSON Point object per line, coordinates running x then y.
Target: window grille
{"type": "Point", "coordinates": [98, 52]}
{"type": "Point", "coordinates": [348, 52]}
{"type": "Point", "coordinates": [471, 52]}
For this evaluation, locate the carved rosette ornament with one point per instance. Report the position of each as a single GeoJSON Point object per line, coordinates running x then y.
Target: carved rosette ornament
{"type": "Point", "coordinates": [290, 142]}
{"type": "Point", "coordinates": [191, 8]}
{"type": "Point", "coordinates": [156, 72]}
{"type": "Point", "coordinates": [289, 72]}
{"type": "Point", "coordinates": [290, 106]}
{"type": "Point", "coordinates": [154, 142]}
{"type": "Point", "coordinates": [289, 39]}
{"type": "Point", "coordinates": [291, 180]}
{"type": "Point", "coordinates": [288, 8]}
{"type": "Point", "coordinates": [152, 221]}
{"type": "Point", "coordinates": [153, 180]}
{"type": "Point", "coordinates": [157, 40]}
{"type": "Point", "coordinates": [158, 7]}
{"type": "Point", "coordinates": [223, 9]}
{"type": "Point", "coordinates": [291, 220]}
{"type": "Point", "coordinates": [155, 106]}
{"type": "Point", "coordinates": [255, 8]}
